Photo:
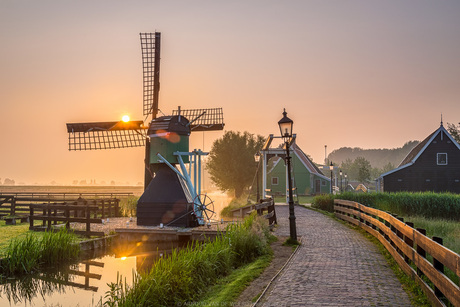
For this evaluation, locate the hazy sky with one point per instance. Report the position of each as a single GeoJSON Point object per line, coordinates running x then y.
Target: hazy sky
{"type": "Point", "coordinates": [370, 74]}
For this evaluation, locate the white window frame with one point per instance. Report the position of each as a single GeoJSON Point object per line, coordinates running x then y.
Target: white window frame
{"type": "Point", "coordinates": [437, 158]}
{"type": "Point", "coordinates": [275, 179]}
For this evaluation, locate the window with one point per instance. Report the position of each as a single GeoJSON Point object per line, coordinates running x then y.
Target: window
{"type": "Point", "coordinates": [442, 158]}
{"type": "Point", "coordinates": [274, 180]}
{"type": "Point", "coordinates": [323, 183]}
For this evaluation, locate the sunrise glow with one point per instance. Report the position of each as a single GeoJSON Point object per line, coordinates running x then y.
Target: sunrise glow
{"type": "Point", "coordinates": [125, 118]}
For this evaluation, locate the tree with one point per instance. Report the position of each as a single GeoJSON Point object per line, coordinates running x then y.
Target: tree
{"type": "Point", "coordinates": [231, 163]}
{"type": "Point", "coordinates": [364, 169]}
{"type": "Point", "coordinates": [454, 131]}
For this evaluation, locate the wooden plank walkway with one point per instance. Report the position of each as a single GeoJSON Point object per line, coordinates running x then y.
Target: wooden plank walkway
{"type": "Point", "coordinates": [334, 266]}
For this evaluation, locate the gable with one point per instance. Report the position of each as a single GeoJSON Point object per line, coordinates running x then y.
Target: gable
{"type": "Point", "coordinates": [439, 140]}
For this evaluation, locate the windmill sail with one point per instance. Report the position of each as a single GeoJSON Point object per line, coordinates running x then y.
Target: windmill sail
{"type": "Point", "coordinates": [150, 45]}
{"type": "Point", "coordinates": [203, 119]}
{"type": "Point", "coordinates": [105, 135]}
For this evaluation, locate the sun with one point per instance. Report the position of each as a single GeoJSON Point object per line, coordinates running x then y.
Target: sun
{"type": "Point", "coordinates": [125, 118]}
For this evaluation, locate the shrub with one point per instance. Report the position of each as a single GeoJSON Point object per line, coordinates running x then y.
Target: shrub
{"type": "Point", "coordinates": [128, 206]}
{"type": "Point", "coordinates": [324, 202]}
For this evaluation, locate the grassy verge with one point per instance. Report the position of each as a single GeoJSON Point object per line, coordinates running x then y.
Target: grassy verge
{"type": "Point", "coordinates": [228, 289]}
{"type": "Point", "coordinates": [186, 274]}
{"type": "Point", "coordinates": [27, 254]}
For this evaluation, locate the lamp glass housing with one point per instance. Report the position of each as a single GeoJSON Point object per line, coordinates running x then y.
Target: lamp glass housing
{"type": "Point", "coordinates": [286, 125]}
{"type": "Point", "coordinates": [257, 157]}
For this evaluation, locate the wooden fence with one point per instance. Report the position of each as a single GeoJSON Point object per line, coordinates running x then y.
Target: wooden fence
{"type": "Point", "coordinates": [409, 247]}
{"type": "Point", "coordinates": [267, 204]}
{"type": "Point", "coordinates": [80, 211]}
{"type": "Point", "coordinates": [14, 205]}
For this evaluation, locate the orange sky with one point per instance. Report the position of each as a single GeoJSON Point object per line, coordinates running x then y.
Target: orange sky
{"type": "Point", "coordinates": [370, 74]}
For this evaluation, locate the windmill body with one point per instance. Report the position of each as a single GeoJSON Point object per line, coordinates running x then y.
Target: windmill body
{"type": "Point", "coordinates": [172, 193]}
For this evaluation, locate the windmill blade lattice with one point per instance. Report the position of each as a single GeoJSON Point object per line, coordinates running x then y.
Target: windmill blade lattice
{"type": "Point", "coordinates": [105, 135]}
{"type": "Point", "coordinates": [150, 45]}
{"type": "Point", "coordinates": [203, 119]}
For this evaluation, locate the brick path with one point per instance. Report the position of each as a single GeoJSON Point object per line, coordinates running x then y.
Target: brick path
{"type": "Point", "coordinates": [334, 266]}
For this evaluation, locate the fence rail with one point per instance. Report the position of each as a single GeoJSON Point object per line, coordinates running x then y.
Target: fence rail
{"type": "Point", "coordinates": [267, 204]}
{"type": "Point", "coordinates": [12, 205]}
{"type": "Point", "coordinates": [400, 238]}
{"type": "Point", "coordinates": [80, 211]}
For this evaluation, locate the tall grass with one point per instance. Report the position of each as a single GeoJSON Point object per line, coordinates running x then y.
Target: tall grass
{"type": "Point", "coordinates": [128, 205]}
{"type": "Point", "coordinates": [426, 204]}
{"type": "Point", "coordinates": [185, 275]}
{"type": "Point", "coordinates": [24, 255]}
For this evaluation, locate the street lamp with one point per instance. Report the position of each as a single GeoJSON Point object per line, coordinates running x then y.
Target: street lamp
{"type": "Point", "coordinates": [346, 184]}
{"type": "Point", "coordinates": [331, 167]}
{"type": "Point", "coordinates": [341, 186]}
{"type": "Point", "coordinates": [257, 159]}
{"type": "Point", "coordinates": [286, 133]}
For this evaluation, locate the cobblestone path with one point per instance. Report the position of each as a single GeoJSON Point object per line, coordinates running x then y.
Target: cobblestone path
{"type": "Point", "coordinates": [334, 266]}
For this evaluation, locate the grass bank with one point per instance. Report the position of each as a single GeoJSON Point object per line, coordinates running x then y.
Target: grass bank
{"type": "Point", "coordinates": [185, 275]}
{"type": "Point", "coordinates": [25, 254]}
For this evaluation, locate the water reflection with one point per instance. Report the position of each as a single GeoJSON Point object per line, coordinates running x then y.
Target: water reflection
{"type": "Point", "coordinates": [83, 283]}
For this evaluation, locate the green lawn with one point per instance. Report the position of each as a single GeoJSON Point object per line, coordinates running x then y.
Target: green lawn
{"type": "Point", "coordinates": [302, 199]}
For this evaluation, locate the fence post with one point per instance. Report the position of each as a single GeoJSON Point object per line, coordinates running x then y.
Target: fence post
{"type": "Point", "coordinates": [67, 215]}
{"type": "Point", "coordinates": [421, 251]}
{"type": "Point", "coordinates": [13, 206]}
{"type": "Point", "coordinates": [438, 266]}
{"type": "Point", "coordinates": [49, 216]}
{"type": "Point", "coordinates": [31, 217]}
{"type": "Point", "coordinates": [401, 236]}
{"type": "Point", "coordinates": [103, 209]}
{"type": "Point", "coordinates": [409, 241]}
{"type": "Point", "coordinates": [117, 207]}
{"type": "Point", "coordinates": [88, 216]}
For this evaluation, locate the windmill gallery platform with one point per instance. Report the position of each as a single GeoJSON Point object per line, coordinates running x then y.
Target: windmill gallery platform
{"type": "Point", "coordinates": [128, 231]}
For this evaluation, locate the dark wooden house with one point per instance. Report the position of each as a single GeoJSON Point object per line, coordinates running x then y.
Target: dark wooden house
{"type": "Point", "coordinates": [433, 165]}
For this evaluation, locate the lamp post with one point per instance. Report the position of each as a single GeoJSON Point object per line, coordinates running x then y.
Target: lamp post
{"type": "Point", "coordinates": [346, 185]}
{"type": "Point", "coordinates": [285, 125]}
{"type": "Point", "coordinates": [331, 167]}
{"type": "Point", "coordinates": [340, 172]}
{"type": "Point", "coordinates": [257, 159]}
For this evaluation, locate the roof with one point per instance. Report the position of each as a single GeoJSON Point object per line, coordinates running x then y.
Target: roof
{"type": "Point", "coordinates": [417, 151]}
{"type": "Point", "coordinates": [308, 164]}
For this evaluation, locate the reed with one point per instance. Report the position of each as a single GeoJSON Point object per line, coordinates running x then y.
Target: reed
{"type": "Point", "coordinates": [185, 275]}
{"type": "Point", "coordinates": [28, 254]}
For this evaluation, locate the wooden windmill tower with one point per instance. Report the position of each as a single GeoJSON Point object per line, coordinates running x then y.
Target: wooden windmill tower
{"type": "Point", "coordinates": [171, 191]}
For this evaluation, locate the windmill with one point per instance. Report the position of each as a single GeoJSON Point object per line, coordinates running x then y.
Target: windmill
{"type": "Point", "coordinates": [172, 192]}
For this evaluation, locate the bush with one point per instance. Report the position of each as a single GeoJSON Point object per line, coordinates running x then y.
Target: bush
{"type": "Point", "coordinates": [324, 202]}
{"type": "Point", "coordinates": [128, 206]}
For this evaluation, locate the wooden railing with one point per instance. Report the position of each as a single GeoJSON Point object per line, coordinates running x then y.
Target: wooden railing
{"type": "Point", "coordinates": [267, 204]}
{"type": "Point", "coordinates": [399, 239]}
{"type": "Point", "coordinates": [19, 206]}
{"type": "Point", "coordinates": [80, 211]}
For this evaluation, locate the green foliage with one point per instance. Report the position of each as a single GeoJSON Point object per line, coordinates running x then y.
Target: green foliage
{"type": "Point", "coordinates": [231, 161]}
{"type": "Point", "coordinates": [454, 131]}
{"type": "Point", "coordinates": [426, 204]}
{"type": "Point", "coordinates": [229, 288]}
{"type": "Point", "coordinates": [234, 204]}
{"type": "Point", "coordinates": [24, 255]}
{"type": "Point", "coordinates": [185, 275]}
{"type": "Point", "coordinates": [378, 158]}
{"type": "Point", "coordinates": [324, 202]}
{"type": "Point", "coordinates": [128, 205]}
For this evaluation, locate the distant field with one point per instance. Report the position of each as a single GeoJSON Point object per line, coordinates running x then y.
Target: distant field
{"type": "Point", "coordinates": [136, 190]}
